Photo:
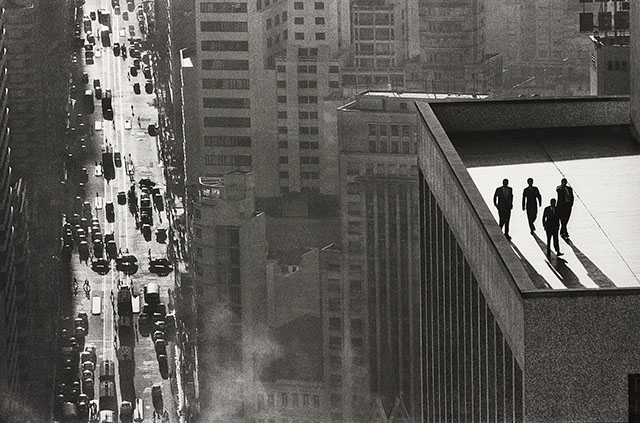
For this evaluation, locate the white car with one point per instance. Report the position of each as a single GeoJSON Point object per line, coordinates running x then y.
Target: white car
{"type": "Point", "coordinates": [98, 170]}
{"type": "Point", "coordinates": [123, 32]}
{"type": "Point", "coordinates": [98, 52]}
{"type": "Point", "coordinates": [127, 124]}
{"type": "Point", "coordinates": [98, 203]}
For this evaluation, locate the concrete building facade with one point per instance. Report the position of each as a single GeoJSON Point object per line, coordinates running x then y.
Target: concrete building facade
{"type": "Point", "coordinates": [504, 339]}
{"type": "Point", "coordinates": [379, 211]}
{"type": "Point", "coordinates": [229, 258]}
{"type": "Point", "coordinates": [609, 73]}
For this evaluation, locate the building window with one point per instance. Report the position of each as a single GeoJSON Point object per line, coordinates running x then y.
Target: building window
{"type": "Point", "coordinates": [283, 144]}
{"type": "Point", "coordinates": [212, 64]}
{"type": "Point", "coordinates": [283, 130]}
{"type": "Point", "coordinates": [281, 68]}
{"type": "Point", "coordinates": [320, 36]}
{"type": "Point", "coordinates": [220, 7]}
{"type": "Point", "coordinates": [284, 16]}
{"type": "Point", "coordinates": [305, 397]}
{"type": "Point", "coordinates": [298, 20]}
{"type": "Point", "coordinates": [610, 65]}
{"type": "Point", "coordinates": [298, 5]}
{"type": "Point", "coordinates": [225, 84]}
{"type": "Point", "coordinates": [284, 175]}
{"type": "Point", "coordinates": [227, 160]}
{"type": "Point", "coordinates": [226, 141]}
{"type": "Point", "coordinates": [283, 159]}
{"type": "Point", "coordinates": [284, 399]}
{"type": "Point", "coordinates": [282, 99]}
{"type": "Point", "coordinates": [335, 323]}
{"type": "Point", "coordinates": [319, 5]}
{"type": "Point", "coordinates": [225, 103]}
{"type": "Point", "coordinates": [319, 20]}
{"type": "Point", "coordinates": [225, 45]}
{"type": "Point", "coordinates": [282, 114]}
{"type": "Point", "coordinates": [270, 400]}
{"type": "Point", "coordinates": [294, 400]}
{"type": "Point", "coordinates": [334, 84]}
{"type": "Point", "coordinates": [227, 122]}
{"type": "Point", "coordinates": [198, 232]}
{"type": "Point", "coordinates": [624, 66]}
{"type": "Point", "coordinates": [316, 398]}
{"type": "Point", "coordinates": [220, 26]}
{"type": "Point", "coordinates": [259, 4]}
{"type": "Point", "coordinates": [299, 35]}
{"type": "Point", "coordinates": [269, 23]}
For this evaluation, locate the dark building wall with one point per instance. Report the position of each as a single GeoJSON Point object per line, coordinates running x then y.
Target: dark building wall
{"type": "Point", "coordinates": [489, 115]}
{"type": "Point", "coordinates": [579, 353]}
{"type": "Point", "coordinates": [635, 64]}
{"type": "Point", "coordinates": [469, 370]}
{"type": "Point", "coordinates": [473, 316]}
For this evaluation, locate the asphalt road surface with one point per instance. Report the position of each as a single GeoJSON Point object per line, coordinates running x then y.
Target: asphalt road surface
{"type": "Point", "coordinates": [126, 134]}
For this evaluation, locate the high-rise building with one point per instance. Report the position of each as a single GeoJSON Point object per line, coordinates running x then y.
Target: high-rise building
{"type": "Point", "coordinates": [452, 48]}
{"type": "Point", "coordinates": [609, 70]}
{"type": "Point", "coordinates": [512, 331]}
{"type": "Point", "coordinates": [229, 257]}
{"type": "Point", "coordinates": [11, 238]}
{"type": "Point", "coordinates": [379, 209]}
{"type": "Point", "coordinates": [265, 72]}
{"type": "Point", "coordinates": [25, 102]}
{"type": "Point", "coordinates": [384, 36]}
{"type": "Point", "coordinates": [634, 53]}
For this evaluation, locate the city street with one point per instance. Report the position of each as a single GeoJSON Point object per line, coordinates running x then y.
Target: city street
{"type": "Point", "coordinates": [127, 135]}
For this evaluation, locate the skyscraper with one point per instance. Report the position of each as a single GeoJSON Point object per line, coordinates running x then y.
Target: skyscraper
{"type": "Point", "coordinates": [452, 48]}
{"type": "Point", "coordinates": [229, 258]}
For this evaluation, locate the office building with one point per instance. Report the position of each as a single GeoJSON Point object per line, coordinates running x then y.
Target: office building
{"type": "Point", "coordinates": [25, 102]}
{"type": "Point", "coordinates": [12, 237]}
{"type": "Point", "coordinates": [384, 36]}
{"type": "Point", "coordinates": [634, 57]}
{"type": "Point", "coordinates": [452, 49]}
{"type": "Point", "coordinates": [228, 249]}
{"type": "Point", "coordinates": [379, 209]}
{"type": "Point", "coordinates": [609, 72]}
{"type": "Point", "coordinates": [497, 312]}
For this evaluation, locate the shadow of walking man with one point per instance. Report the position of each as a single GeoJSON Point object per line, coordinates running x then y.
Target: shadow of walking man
{"type": "Point", "coordinates": [592, 269]}
{"type": "Point", "coordinates": [559, 266]}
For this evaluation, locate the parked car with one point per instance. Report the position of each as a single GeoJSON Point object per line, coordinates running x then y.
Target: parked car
{"type": "Point", "coordinates": [127, 124]}
{"type": "Point", "coordinates": [116, 49]}
{"type": "Point", "coordinates": [132, 30]}
{"type": "Point", "coordinates": [133, 71]}
{"type": "Point", "coordinates": [109, 211]}
{"type": "Point", "coordinates": [148, 87]}
{"type": "Point", "coordinates": [156, 398]}
{"type": "Point", "coordinates": [125, 15]}
{"type": "Point", "coordinates": [136, 88]}
{"type": "Point", "coordinates": [85, 78]}
{"type": "Point", "coordinates": [92, 15]}
{"type": "Point", "coordinates": [122, 198]}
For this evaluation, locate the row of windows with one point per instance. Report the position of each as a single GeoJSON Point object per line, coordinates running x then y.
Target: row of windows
{"type": "Point", "coordinates": [226, 141]}
{"type": "Point", "coordinates": [371, 48]}
{"type": "Point", "coordinates": [307, 69]}
{"type": "Point", "coordinates": [288, 400]}
{"type": "Point", "coordinates": [276, 19]}
{"type": "Point", "coordinates": [367, 80]}
{"type": "Point", "coordinates": [308, 130]}
{"type": "Point", "coordinates": [386, 129]}
{"type": "Point", "coordinates": [309, 175]}
{"type": "Point", "coordinates": [219, 26]}
{"type": "Point", "coordinates": [299, 20]}
{"type": "Point", "coordinates": [213, 64]}
{"type": "Point", "coordinates": [373, 19]}
{"type": "Point", "coordinates": [309, 145]}
{"type": "Point", "coordinates": [227, 122]}
{"type": "Point", "coordinates": [231, 160]}
{"type": "Point", "coordinates": [307, 115]}
{"type": "Point", "coordinates": [618, 65]}
{"type": "Point", "coordinates": [319, 5]}
{"type": "Point", "coordinates": [307, 84]}
{"type": "Point", "coordinates": [309, 160]}
{"type": "Point", "coordinates": [225, 84]}
{"type": "Point", "coordinates": [226, 103]}
{"type": "Point", "coordinates": [370, 63]}
{"type": "Point", "coordinates": [374, 34]}
{"type": "Point", "coordinates": [307, 52]}
{"type": "Point", "coordinates": [225, 45]}
{"type": "Point", "coordinates": [300, 36]}
{"type": "Point", "coordinates": [303, 99]}
{"type": "Point", "coordinates": [223, 7]}
{"type": "Point", "coordinates": [355, 169]}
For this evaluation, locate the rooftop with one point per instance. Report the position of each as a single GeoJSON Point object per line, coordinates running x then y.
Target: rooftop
{"type": "Point", "coordinates": [416, 95]}
{"type": "Point", "coordinates": [601, 164]}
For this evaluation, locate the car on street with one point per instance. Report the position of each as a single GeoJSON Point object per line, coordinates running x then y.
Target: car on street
{"type": "Point", "coordinates": [88, 47]}
{"type": "Point", "coordinates": [87, 24]}
{"type": "Point", "coordinates": [152, 130]}
{"type": "Point", "coordinates": [122, 198]}
{"type": "Point", "coordinates": [125, 15]}
{"type": "Point", "coordinates": [132, 30]}
{"type": "Point", "coordinates": [96, 83]}
{"type": "Point", "coordinates": [116, 10]}
{"type": "Point", "coordinates": [96, 305]}
{"type": "Point", "coordinates": [109, 211]}
{"type": "Point", "coordinates": [88, 58]}
{"type": "Point", "coordinates": [116, 49]}
{"type": "Point", "coordinates": [136, 88]}
{"type": "Point", "coordinates": [133, 71]}
{"type": "Point", "coordinates": [156, 398]}
{"type": "Point", "coordinates": [91, 38]}
{"type": "Point", "coordinates": [98, 170]}
{"type": "Point", "coordinates": [147, 72]}
{"type": "Point", "coordinates": [123, 32]}
{"type": "Point", "coordinates": [136, 63]}
{"type": "Point", "coordinates": [108, 114]}
{"type": "Point", "coordinates": [131, 6]}
{"type": "Point", "coordinates": [127, 124]}
{"type": "Point", "coordinates": [117, 159]}
{"type": "Point", "coordinates": [85, 78]}
{"type": "Point", "coordinates": [92, 15]}
{"type": "Point", "coordinates": [148, 87]}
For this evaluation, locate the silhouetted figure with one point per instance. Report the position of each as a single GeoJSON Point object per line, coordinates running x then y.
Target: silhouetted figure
{"type": "Point", "coordinates": [531, 200]}
{"type": "Point", "coordinates": [503, 200]}
{"type": "Point", "coordinates": [551, 224]}
{"type": "Point", "coordinates": [565, 204]}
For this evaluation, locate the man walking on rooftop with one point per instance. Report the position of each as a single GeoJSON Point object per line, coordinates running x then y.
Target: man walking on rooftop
{"type": "Point", "coordinates": [565, 204]}
{"type": "Point", "coordinates": [551, 224]}
{"type": "Point", "coordinates": [531, 199]}
{"type": "Point", "coordinates": [503, 200]}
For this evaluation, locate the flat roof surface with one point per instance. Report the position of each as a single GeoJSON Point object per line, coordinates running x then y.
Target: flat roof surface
{"type": "Point", "coordinates": [602, 164]}
{"type": "Point", "coordinates": [424, 96]}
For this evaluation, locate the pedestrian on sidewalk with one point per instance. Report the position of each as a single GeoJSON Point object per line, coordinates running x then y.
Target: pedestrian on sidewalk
{"type": "Point", "coordinates": [132, 114]}
{"type": "Point", "coordinates": [139, 124]}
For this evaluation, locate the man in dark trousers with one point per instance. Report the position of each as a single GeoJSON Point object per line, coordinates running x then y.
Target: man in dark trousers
{"type": "Point", "coordinates": [503, 200]}
{"type": "Point", "coordinates": [531, 199]}
{"type": "Point", "coordinates": [551, 224]}
{"type": "Point", "coordinates": [565, 204]}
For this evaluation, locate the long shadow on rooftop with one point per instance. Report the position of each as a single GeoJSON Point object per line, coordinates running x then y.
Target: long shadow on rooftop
{"type": "Point", "coordinates": [493, 148]}
{"type": "Point", "coordinates": [593, 271]}
{"type": "Point", "coordinates": [559, 267]}
{"type": "Point", "coordinates": [537, 279]}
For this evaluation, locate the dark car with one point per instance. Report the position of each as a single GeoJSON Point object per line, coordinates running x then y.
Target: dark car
{"type": "Point", "coordinates": [125, 16]}
{"type": "Point", "coordinates": [98, 93]}
{"type": "Point", "coordinates": [131, 6]}
{"type": "Point", "coordinates": [156, 398]}
{"type": "Point", "coordinates": [117, 158]}
{"type": "Point", "coordinates": [152, 130]}
{"type": "Point", "coordinates": [85, 78]}
{"type": "Point", "coordinates": [148, 87]}
{"type": "Point", "coordinates": [122, 198]}
{"type": "Point", "coordinates": [136, 88]}
{"type": "Point", "coordinates": [92, 15]}
{"type": "Point", "coordinates": [116, 10]}
{"type": "Point", "coordinates": [116, 49]}
{"type": "Point", "coordinates": [133, 71]}
{"type": "Point", "coordinates": [108, 114]}
{"type": "Point", "coordinates": [147, 72]}
{"type": "Point", "coordinates": [109, 212]}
